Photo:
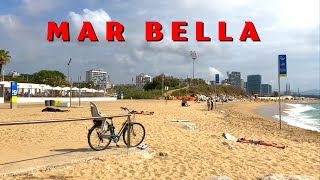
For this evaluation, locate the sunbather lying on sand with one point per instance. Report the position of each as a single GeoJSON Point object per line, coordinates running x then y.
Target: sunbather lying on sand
{"type": "Point", "coordinates": [244, 140]}
{"type": "Point", "coordinates": [49, 109]}
{"type": "Point", "coordinates": [142, 112]}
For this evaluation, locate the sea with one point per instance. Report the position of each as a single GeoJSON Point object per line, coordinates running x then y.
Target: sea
{"type": "Point", "coordinates": [303, 115]}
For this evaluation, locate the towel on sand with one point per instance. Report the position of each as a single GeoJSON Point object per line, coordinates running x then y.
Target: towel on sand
{"type": "Point", "coordinates": [229, 137]}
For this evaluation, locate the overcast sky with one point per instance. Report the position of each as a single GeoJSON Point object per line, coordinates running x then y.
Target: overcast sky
{"type": "Point", "coordinates": [285, 27]}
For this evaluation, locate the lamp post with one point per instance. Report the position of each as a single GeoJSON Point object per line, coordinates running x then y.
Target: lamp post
{"type": "Point", "coordinates": [69, 69]}
{"type": "Point", "coordinates": [194, 57]}
{"type": "Point", "coordinates": [69, 80]}
{"type": "Point", "coordinates": [79, 90]}
{"type": "Point", "coordinates": [162, 86]}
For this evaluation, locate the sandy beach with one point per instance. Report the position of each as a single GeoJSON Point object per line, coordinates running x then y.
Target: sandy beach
{"type": "Point", "coordinates": [192, 153]}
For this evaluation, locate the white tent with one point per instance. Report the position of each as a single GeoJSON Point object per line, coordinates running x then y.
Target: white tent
{"type": "Point", "coordinates": [66, 88]}
{"type": "Point", "coordinates": [57, 88]}
{"type": "Point", "coordinates": [84, 89]}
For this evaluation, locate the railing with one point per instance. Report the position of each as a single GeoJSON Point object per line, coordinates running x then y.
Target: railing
{"type": "Point", "coordinates": [60, 120]}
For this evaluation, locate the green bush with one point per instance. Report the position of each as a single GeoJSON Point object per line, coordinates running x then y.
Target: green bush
{"type": "Point", "coordinates": [139, 93]}
{"type": "Point", "coordinates": [208, 90]}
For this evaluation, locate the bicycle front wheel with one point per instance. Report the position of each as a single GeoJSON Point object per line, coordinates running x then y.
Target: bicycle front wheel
{"type": "Point", "coordinates": [98, 138]}
{"type": "Point", "coordinates": [137, 134]}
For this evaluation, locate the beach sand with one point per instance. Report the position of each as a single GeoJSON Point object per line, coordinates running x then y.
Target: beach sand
{"type": "Point", "coordinates": [192, 154]}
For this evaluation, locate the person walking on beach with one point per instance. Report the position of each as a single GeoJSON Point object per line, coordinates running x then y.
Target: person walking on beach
{"type": "Point", "coordinates": [209, 104]}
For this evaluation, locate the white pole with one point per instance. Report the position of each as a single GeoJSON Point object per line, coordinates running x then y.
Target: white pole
{"type": "Point", "coordinates": [279, 93]}
{"type": "Point", "coordinates": [215, 95]}
{"type": "Point", "coordinates": [70, 92]}
{"type": "Point", "coordinates": [79, 89]}
{"type": "Point", "coordinates": [162, 85]}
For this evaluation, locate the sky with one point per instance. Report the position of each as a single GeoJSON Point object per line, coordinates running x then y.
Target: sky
{"type": "Point", "coordinates": [288, 27]}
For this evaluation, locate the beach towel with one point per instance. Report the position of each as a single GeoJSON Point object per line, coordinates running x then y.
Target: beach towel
{"type": "Point", "coordinates": [229, 137]}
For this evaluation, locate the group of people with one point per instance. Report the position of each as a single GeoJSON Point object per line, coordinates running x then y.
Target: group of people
{"type": "Point", "coordinates": [210, 103]}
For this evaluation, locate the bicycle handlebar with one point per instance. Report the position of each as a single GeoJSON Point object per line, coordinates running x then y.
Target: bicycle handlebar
{"type": "Point", "coordinates": [124, 108]}
{"type": "Point", "coordinates": [135, 112]}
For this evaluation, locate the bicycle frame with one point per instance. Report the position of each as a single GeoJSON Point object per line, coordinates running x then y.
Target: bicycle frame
{"type": "Point", "coordinates": [115, 137]}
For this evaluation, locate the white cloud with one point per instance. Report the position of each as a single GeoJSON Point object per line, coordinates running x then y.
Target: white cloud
{"type": "Point", "coordinates": [11, 25]}
{"type": "Point", "coordinates": [98, 19]}
{"type": "Point", "coordinates": [213, 71]}
{"type": "Point", "coordinates": [9, 22]}
{"type": "Point", "coordinates": [35, 7]}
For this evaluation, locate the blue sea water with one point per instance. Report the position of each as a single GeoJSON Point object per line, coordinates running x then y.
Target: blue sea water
{"type": "Point", "coordinates": [303, 115]}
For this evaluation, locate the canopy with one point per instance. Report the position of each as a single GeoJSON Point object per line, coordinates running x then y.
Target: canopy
{"type": "Point", "coordinates": [57, 88]}
{"type": "Point", "coordinates": [84, 89]}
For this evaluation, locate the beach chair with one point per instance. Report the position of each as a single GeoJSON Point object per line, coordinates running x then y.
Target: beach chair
{"type": "Point", "coordinates": [96, 113]}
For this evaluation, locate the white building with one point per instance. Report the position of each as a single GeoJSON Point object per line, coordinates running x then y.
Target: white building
{"type": "Point", "coordinates": [141, 79]}
{"type": "Point", "coordinates": [14, 74]}
{"type": "Point", "coordinates": [98, 77]}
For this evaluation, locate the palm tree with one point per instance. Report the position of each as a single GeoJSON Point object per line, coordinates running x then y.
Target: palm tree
{"type": "Point", "coordinates": [4, 59]}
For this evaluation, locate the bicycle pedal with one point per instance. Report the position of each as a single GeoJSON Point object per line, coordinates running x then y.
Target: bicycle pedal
{"type": "Point", "coordinates": [117, 145]}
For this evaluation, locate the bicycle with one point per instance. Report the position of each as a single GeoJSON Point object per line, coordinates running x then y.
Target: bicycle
{"type": "Point", "coordinates": [104, 132]}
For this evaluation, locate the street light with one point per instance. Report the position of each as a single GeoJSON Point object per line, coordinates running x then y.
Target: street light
{"type": "Point", "coordinates": [69, 81]}
{"type": "Point", "coordinates": [69, 69]}
{"type": "Point", "coordinates": [194, 57]}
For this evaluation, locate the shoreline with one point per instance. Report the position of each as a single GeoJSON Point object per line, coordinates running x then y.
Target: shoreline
{"type": "Point", "coordinates": [271, 110]}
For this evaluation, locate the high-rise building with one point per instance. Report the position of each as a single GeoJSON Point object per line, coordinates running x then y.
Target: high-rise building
{"type": "Point", "coordinates": [235, 78]}
{"type": "Point", "coordinates": [288, 91]}
{"type": "Point", "coordinates": [253, 84]}
{"type": "Point", "coordinates": [266, 89]}
{"type": "Point", "coordinates": [141, 79]}
{"type": "Point", "coordinates": [225, 82]}
{"type": "Point", "coordinates": [98, 77]}
{"type": "Point", "coordinates": [243, 84]}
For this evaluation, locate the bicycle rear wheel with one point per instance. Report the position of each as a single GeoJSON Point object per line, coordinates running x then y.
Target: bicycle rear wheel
{"type": "Point", "coordinates": [137, 134]}
{"type": "Point", "coordinates": [98, 139]}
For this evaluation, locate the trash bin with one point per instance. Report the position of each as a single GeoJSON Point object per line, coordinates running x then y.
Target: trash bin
{"type": "Point", "coordinates": [51, 102]}
{"type": "Point", "coordinates": [55, 102]}
{"type": "Point", "coordinates": [47, 103]}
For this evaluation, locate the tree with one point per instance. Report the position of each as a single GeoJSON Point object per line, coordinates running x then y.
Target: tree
{"type": "Point", "coordinates": [156, 83]}
{"type": "Point", "coordinates": [52, 78]}
{"type": "Point", "coordinates": [275, 94]}
{"type": "Point", "coordinates": [4, 59]}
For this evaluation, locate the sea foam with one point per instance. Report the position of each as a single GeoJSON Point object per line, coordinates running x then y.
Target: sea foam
{"type": "Point", "coordinates": [297, 116]}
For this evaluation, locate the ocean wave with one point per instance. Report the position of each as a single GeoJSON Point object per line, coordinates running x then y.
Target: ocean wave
{"type": "Point", "coordinates": [300, 108]}
{"type": "Point", "coordinates": [297, 116]}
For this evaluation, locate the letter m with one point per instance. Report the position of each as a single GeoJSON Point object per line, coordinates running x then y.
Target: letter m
{"type": "Point", "coordinates": [61, 31]}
